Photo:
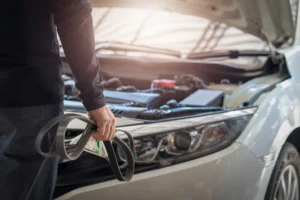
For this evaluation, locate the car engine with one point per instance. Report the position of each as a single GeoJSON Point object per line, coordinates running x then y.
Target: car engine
{"type": "Point", "coordinates": [165, 98]}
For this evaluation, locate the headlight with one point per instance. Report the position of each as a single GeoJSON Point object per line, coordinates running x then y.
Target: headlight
{"type": "Point", "coordinates": [176, 141]}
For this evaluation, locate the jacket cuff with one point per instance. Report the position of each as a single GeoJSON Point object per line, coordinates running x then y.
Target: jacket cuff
{"type": "Point", "coordinates": [94, 103]}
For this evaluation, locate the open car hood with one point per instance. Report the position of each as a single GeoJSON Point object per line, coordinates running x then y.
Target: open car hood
{"type": "Point", "coordinates": [270, 20]}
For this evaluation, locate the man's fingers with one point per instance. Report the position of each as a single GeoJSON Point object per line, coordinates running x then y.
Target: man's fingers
{"type": "Point", "coordinates": [105, 121]}
{"type": "Point", "coordinates": [101, 130]}
{"type": "Point", "coordinates": [110, 131]}
{"type": "Point", "coordinates": [111, 134]}
{"type": "Point", "coordinates": [113, 128]}
{"type": "Point", "coordinates": [106, 130]}
{"type": "Point", "coordinates": [113, 125]}
{"type": "Point", "coordinates": [97, 136]}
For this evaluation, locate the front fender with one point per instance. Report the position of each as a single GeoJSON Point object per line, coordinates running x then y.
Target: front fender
{"type": "Point", "coordinates": [278, 115]}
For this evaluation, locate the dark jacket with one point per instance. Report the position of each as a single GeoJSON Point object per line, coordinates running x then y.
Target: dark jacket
{"type": "Point", "coordinates": [30, 65]}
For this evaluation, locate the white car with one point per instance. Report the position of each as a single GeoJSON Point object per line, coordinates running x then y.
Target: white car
{"type": "Point", "coordinates": [210, 92]}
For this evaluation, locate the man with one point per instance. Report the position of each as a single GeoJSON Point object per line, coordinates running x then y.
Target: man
{"type": "Point", "coordinates": [31, 87]}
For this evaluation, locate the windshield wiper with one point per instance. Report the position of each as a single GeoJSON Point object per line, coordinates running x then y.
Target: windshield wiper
{"type": "Point", "coordinates": [118, 46]}
{"type": "Point", "coordinates": [230, 54]}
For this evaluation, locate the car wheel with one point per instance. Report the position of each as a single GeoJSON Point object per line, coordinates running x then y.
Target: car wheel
{"type": "Point", "coordinates": [284, 182]}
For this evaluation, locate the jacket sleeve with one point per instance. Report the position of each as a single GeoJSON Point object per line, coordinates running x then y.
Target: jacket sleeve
{"type": "Point", "coordinates": [75, 29]}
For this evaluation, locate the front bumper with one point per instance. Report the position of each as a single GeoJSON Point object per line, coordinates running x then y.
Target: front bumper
{"type": "Point", "coordinates": [232, 173]}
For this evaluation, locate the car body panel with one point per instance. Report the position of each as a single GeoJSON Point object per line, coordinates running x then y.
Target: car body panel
{"type": "Point", "coordinates": [276, 118]}
{"type": "Point", "coordinates": [240, 171]}
{"type": "Point", "coordinates": [278, 115]}
{"type": "Point", "coordinates": [251, 90]}
{"type": "Point", "coordinates": [210, 177]}
{"type": "Point", "coordinates": [297, 28]}
{"type": "Point", "coordinates": [170, 125]}
{"type": "Point", "coordinates": [268, 19]}
{"type": "Point", "coordinates": [292, 60]}
{"type": "Point", "coordinates": [79, 125]}
{"type": "Point", "coordinates": [246, 165]}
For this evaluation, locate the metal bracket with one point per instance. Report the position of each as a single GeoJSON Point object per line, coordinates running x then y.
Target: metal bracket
{"type": "Point", "coordinates": [277, 58]}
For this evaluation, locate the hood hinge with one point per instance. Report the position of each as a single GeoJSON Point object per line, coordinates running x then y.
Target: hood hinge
{"type": "Point", "coordinates": [277, 58]}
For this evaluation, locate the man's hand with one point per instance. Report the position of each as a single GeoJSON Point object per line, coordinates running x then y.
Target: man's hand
{"type": "Point", "coordinates": [106, 123]}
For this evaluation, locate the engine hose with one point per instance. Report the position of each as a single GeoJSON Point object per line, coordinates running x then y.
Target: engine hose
{"type": "Point", "coordinates": [77, 150]}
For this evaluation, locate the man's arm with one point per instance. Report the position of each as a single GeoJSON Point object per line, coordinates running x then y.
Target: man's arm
{"type": "Point", "coordinates": [75, 28]}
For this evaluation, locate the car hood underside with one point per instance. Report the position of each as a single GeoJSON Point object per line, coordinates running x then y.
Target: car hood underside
{"type": "Point", "coordinates": [270, 20]}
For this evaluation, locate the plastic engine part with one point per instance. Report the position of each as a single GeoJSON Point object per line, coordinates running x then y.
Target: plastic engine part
{"type": "Point", "coordinates": [204, 98]}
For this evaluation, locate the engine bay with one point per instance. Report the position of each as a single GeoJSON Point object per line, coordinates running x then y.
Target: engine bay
{"type": "Point", "coordinates": [165, 98]}
{"type": "Point", "coordinates": [170, 95]}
